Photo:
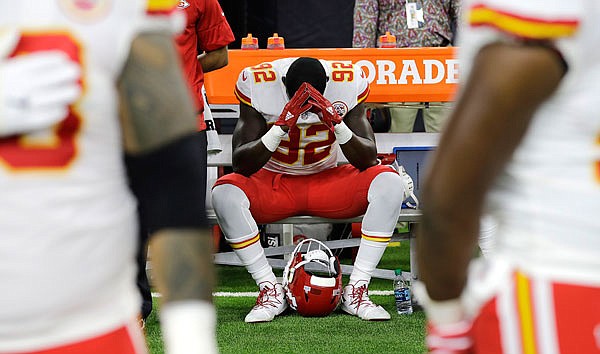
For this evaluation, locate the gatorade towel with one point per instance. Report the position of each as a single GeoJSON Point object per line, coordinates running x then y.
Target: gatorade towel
{"type": "Point", "coordinates": [212, 137]}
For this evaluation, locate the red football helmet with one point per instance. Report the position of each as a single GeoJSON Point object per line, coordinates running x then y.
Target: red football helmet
{"type": "Point", "coordinates": [313, 279]}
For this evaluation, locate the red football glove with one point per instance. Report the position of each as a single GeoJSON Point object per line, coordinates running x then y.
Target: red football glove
{"type": "Point", "coordinates": [295, 107]}
{"type": "Point", "coordinates": [453, 338]}
{"type": "Point", "coordinates": [323, 108]}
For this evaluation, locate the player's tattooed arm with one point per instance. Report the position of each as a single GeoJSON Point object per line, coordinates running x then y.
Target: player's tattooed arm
{"type": "Point", "coordinates": [156, 105]}
{"type": "Point", "coordinates": [186, 259]}
{"type": "Point", "coordinates": [158, 119]}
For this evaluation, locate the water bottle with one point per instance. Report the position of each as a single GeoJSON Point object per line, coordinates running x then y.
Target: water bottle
{"type": "Point", "coordinates": [402, 294]}
{"type": "Point", "coordinates": [387, 40]}
{"type": "Point", "coordinates": [249, 43]}
{"type": "Point", "coordinates": [275, 42]}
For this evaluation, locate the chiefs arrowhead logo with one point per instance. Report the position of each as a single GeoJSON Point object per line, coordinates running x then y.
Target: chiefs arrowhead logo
{"type": "Point", "coordinates": [183, 4]}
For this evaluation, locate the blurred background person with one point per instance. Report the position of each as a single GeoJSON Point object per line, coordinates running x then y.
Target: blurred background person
{"type": "Point", "coordinates": [421, 23]}
{"type": "Point", "coordinates": [202, 47]}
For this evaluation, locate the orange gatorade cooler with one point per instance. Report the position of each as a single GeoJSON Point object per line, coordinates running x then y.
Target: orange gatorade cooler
{"type": "Point", "coordinates": [387, 41]}
{"type": "Point", "coordinates": [275, 42]}
{"type": "Point", "coordinates": [249, 42]}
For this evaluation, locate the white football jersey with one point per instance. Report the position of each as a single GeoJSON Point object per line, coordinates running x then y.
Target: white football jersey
{"type": "Point", "coordinates": [309, 147]}
{"type": "Point", "coordinates": [549, 198]}
{"type": "Point", "coordinates": [68, 229]}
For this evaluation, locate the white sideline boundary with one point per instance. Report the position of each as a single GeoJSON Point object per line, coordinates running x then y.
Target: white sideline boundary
{"type": "Point", "coordinates": [255, 293]}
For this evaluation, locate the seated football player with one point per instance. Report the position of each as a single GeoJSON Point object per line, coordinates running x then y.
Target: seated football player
{"type": "Point", "coordinates": [296, 114]}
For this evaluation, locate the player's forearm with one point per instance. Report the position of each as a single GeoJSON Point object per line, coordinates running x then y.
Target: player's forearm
{"type": "Point", "coordinates": [360, 152]}
{"type": "Point", "coordinates": [214, 60]}
{"type": "Point", "coordinates": [361, 149]}
{"type": "Point", "coordinates": [250, 157]}
{"type": "Point", "coordinates": [451, 199]}
{"type": "Point", "coordinates": [182, 264]}
{"type": "Point", "coordinates": [445, 247]}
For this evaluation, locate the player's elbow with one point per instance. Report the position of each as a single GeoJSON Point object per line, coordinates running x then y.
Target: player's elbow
{"type": "Point", "coordinates": [363, 164]}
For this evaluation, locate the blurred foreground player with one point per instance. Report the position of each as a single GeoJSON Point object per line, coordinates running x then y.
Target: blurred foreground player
{"type": "Point", "coordinates": [202, 47]}
{"type": "Point", "coordinates": [523, 141]}
{"type": "Point", "coordinates": [68, 229]}
{"type": "Point", "coordinates": [295, 113]}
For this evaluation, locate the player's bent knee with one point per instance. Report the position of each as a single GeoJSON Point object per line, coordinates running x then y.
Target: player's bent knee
{"type": "Point", "coordinates": [227, 197]}
{"type": "Point", "coordinates": [387, 186]}
{"type": "Point", "coordinates": [232, 208]}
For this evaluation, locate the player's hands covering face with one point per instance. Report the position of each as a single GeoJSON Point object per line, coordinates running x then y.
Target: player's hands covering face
{"type": "Point", "coordinates": [323, 108]}
{"type": "Point", "coordinates": [297, 105]}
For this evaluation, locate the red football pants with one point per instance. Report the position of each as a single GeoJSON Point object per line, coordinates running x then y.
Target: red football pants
{"type": "Point", "coordinates": [336, 193]}
{"type": "Point", "coordinates": [125, 340]}
{"type": "Point", "coordinates": [536, 314]}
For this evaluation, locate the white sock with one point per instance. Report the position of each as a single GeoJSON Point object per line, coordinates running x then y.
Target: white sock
{"type": "Point", "coordinates": [188, 327]}
{"type": "Point", "coordinates": [369, 255]}
{"type": "Point", "coordinates": [253, 257]}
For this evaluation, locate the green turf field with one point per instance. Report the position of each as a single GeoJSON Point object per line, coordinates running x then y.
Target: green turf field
{"type": "Point", "coordinates": [338, 333]}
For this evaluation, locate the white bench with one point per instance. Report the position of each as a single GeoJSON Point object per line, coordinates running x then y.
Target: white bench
{"type": "Point", "coordinates": [386, 142]}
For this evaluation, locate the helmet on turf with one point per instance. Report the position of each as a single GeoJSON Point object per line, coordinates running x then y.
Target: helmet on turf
{"type": "Point", "coordinates": [312, 279]}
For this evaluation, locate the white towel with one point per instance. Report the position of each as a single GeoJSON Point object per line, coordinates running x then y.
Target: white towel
{"type": "Point", "coordinates": [212, 137]}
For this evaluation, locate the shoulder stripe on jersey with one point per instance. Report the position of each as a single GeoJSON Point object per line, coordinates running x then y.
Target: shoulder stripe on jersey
{"type": "Point", "coordinates": [243, 98]}
{"type": "Point", "coordinates": [363, 96]}
{"type": "Point", "coordinates": [161, 7]}
{"type": "Point", "coordinates": [524, 27]}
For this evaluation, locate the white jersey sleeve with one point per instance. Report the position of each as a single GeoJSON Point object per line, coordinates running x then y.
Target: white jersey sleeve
{"type": "Point", "coordinates": [151, 16]}
{"type": "Point", "coordinates": [261, 86]}
{"type": "Point", "coordinates": [161, 15]}
{"type": "Point", "coordinates": [490, 21]}
{"type": "Point", "coordinates": [243, 86]}
{"type": "Point", "coordinates": [527, 19]}
{"type": "Point", "coordinates": [347, 85]}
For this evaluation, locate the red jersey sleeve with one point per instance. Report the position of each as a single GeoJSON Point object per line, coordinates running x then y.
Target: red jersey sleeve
{"type": "Point", "coordinates": [213, 29]}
